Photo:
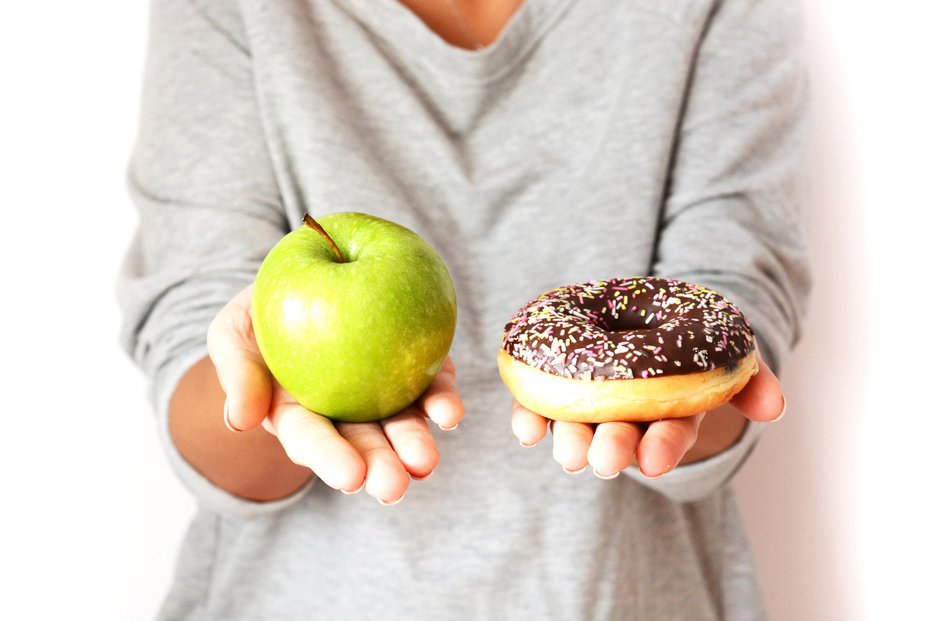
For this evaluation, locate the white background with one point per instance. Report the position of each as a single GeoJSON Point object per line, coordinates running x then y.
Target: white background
{"type": "Point", "coordinates": [836, 496]}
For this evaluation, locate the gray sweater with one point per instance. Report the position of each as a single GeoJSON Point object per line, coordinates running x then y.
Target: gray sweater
{"type": "Point", "coordinates": [594, 139]}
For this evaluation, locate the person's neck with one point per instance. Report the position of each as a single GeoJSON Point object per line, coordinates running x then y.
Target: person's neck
{"type": "Point", "coordinates": [469, 24]}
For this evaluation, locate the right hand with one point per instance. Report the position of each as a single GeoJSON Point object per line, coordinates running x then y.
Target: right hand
{"type": "Point", "coordinates": [380, 456]}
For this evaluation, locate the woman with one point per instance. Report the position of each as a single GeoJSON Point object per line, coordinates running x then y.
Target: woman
{"type": "Point", "coordinates": [532, 145]}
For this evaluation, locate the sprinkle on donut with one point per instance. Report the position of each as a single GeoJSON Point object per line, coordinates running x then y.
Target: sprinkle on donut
{"type": "Point", "coordinates": [628, 329]}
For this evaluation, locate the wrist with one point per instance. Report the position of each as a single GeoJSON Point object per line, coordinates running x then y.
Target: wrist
{"type": "Point", "coordinates": [252, 464]}
{"type": "Point", "coordinates": [720, 430]}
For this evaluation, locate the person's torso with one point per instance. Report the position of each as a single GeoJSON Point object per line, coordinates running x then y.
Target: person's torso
{"type": "Point", "coordinates": [537, 162]}
{"type": "Point", "coordinates": [540, 161]}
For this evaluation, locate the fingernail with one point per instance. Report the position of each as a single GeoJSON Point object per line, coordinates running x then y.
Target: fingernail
{"type": "Point", "coordinates": [526, 445]}
{"type": "Point", "coordinates": [442, 428]}
{"type": "Point", "coordinates": [782, 412]}
{"type": "Point", "coordinates": [657, 476]}
{"type": "Point", "coordinates": [393, 502]}
{"type": "Point", "coordinates": [605, 477]}
{"type": "Point", "coordinates": [423, 478]}
{"type": "Point", "coordinates": [568, 471]}
{"type": "Point", "coordinates": [226, 417]}
{"type": "Point", "coordinates": [354, 491]}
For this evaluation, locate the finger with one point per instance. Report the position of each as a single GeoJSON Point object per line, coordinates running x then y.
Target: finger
{"type": "Point", "coordinates": [762, 399]}
{"type": "Point", "coordinates": [612, 448]}
{"type": "Point", "coordinates": [571, 445]}
{"type": "Point", "coordinates": [410, 438]}
{"type": "Point", "coordinates": [441, 402]}
{"type": "Point", "coordinates": [529, 427]}
{"type": "Point", "coordinates": [243, 375]}
{"type": "Point", "coordinates": [311, 440]}
{"type": "Point", "coordinates": [664, 444]}
{"type": "Point", "coordinates": [449, 367]}
{"type": "Point", "coordinates": [386, 477]}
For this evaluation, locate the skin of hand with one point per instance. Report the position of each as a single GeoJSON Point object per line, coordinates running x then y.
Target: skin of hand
{"type": "Point", "coordinates": [657, 447]}
{"type": "Point", "coordinates": [380, 457]}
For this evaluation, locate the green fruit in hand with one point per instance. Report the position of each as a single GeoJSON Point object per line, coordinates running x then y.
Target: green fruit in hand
{"type": "Point", "coordinates": [354, 316]}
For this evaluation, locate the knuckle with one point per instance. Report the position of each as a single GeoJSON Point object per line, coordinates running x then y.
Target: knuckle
{"type": "Point", "coordinates": [220, 332]}
{"type": "Point", "coordinates": [355, 433]}
{"type": "Point", "coordinates": [449, 367]}
{"type": "Point", "coordinates": [214, 333]}
{"type": "Point", "coordinates": [381, 453]}
{"type": "Point", "coordinates": [405, 425]}
{"type": "Point", "coordinates": [413, 445]}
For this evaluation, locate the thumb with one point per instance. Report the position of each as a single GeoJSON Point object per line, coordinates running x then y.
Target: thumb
{"type": "Point", "coordinates": [241, 370]}
{"type": "Point", "coordinates": [762, 399]}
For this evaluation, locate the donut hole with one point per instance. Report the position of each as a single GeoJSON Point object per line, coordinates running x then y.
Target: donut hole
{"type": "Point", "coordinates": [628, 322]}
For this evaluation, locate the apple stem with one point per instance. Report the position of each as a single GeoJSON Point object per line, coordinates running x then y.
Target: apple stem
{"type": "Point", "coordinates": [311, 222]}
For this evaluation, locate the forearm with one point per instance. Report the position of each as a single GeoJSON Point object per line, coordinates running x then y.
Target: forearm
{"type": "Point", "coordinates": [251, 464]}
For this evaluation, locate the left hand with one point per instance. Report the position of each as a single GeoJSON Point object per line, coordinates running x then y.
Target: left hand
{"type": "Point", "coordinates": [656, 447]}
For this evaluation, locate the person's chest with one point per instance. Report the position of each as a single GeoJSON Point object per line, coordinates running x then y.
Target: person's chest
{"type": "Point", "coordinates": [540, 162]}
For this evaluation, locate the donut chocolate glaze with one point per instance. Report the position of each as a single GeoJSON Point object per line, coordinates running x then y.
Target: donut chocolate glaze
{"type": "Point", "coordinates": [627, 349]}
{"type": "Point", "coordinates": [628, 328]}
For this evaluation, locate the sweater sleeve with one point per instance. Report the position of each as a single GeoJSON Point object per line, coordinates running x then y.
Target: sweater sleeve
{"type": "Point", "coordinates": [208, 205]}
{"type": "Point", "coordinates": [734, 218]}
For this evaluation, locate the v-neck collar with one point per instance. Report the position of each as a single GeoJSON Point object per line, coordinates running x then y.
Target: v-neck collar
{"type": "Point", "coordinates": [403, 33]}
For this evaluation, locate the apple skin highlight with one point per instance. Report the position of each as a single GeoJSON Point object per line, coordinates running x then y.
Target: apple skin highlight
{"type": "Point", "coordinates": [358, 340]}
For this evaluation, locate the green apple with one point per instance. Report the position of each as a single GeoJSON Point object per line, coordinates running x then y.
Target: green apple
{"type": "Point", "coordinates": [354, 316]}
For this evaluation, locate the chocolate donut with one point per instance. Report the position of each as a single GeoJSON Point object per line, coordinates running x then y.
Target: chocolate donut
{"type": "Point", "coordinates": [633, 349]}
